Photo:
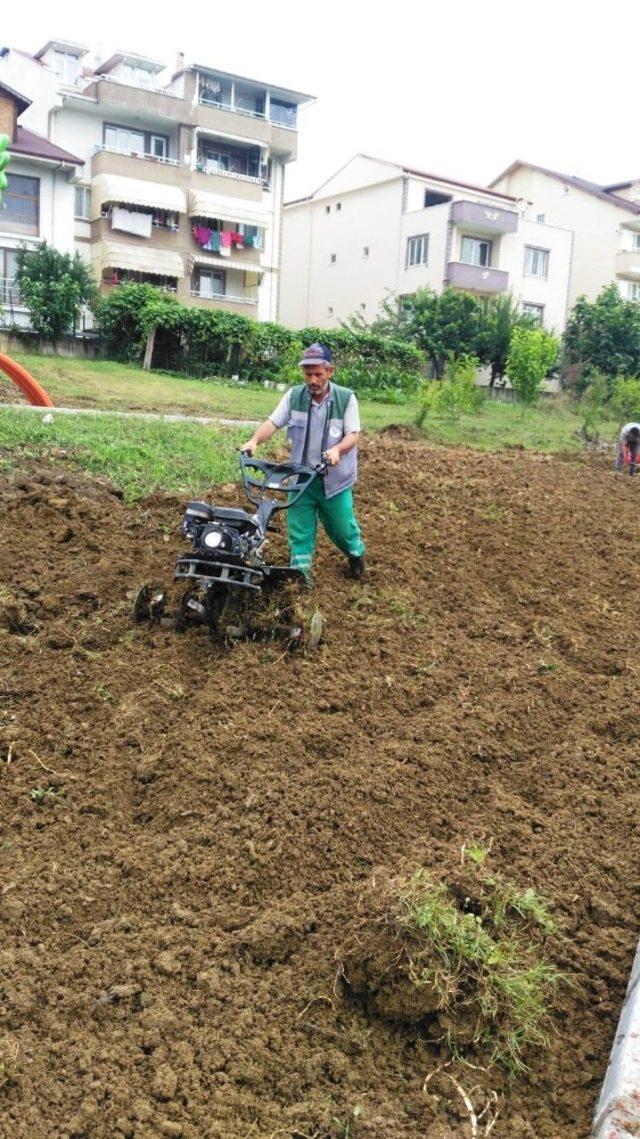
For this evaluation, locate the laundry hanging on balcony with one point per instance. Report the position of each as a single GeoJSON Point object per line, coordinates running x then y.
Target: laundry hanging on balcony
{"type": "Point", "coordinates": [131, 221]}
{"type": "Point", "coordinates": [253, 237]}
{"type": "Point", "coordinates": [225, 244]}
{"type": "Point", "coordinates": [207, 238]}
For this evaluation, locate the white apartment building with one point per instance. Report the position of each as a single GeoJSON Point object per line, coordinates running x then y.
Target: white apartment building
{"type": "Point", "coordinates": [376, 230]}
{"type": "Point", "coordinates": [183, 179]}
{"type": "Point", "coordinates": [38, 202]}
{"type": "Point", "coordinates": [605, 221]}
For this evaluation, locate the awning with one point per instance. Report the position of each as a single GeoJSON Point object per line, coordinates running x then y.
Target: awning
{"type": "Point", "coordinates": [140, 258]}
{"type": "Point", "coordinates": [109, 188]}
{"type": "Point", "coordinates": [225, 263]}
{"type": "Point", "coordinates": [203, 205]}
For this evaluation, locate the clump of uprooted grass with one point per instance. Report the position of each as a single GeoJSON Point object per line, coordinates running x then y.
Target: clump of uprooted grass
{"type": "Point", "coordinates": [465, 957]}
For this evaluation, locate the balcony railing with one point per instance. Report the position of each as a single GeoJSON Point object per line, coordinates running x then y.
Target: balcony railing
{"type": "Point", "coordinates": [207, 101]}
{"type": "Point", "coordinates": [135, 154]}
{"type": "Point", "coordinates": [286, 120]}
{"type": "Point", "coordinates": [109, 283]}
{"type": "Point", "coordinates": [205, 167]}
{"type": "Point", "coordinates": [224, 297]}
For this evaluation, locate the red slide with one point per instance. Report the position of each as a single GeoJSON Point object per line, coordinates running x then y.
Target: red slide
{"type": "Point", "coordinates": [28, 386]}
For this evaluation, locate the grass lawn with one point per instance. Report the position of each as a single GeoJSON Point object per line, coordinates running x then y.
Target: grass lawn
{"type": "Point", "coordinates": [139, 456]}
{"type": "Point", "coordinates": [142, 455]}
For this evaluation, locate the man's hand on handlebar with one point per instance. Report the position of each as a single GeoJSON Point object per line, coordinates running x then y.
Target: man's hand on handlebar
{"type": "Point", "coordinates": [249, 448]}
{"type": "Point", "coordinates": [332, 456]}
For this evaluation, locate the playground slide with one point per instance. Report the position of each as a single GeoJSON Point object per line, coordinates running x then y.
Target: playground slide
{"type": "Point", "coordinates": [28, 386]}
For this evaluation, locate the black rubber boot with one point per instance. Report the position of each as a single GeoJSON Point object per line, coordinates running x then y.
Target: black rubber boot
{"type": "Point", "coordinates": [357, 568]}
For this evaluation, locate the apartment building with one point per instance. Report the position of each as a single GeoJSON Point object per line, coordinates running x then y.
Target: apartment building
{"type": "Point", "coordinates": [605, 221]}
{"type": "Point", "coordinates": [183, 179]}
{"type": "Point", "coordinates": [38, 202]}
{"type": "Point", "coordinates": [376, 230]}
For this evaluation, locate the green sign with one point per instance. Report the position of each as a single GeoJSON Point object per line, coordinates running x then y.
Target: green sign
{"type": "Point", "coordinates": [4, 161]}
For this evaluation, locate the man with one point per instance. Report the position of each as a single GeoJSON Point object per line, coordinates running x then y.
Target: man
{"type": "Point", "coordinates": [628, 447]}
{"type": "Point", "coordinates": [322, 419]}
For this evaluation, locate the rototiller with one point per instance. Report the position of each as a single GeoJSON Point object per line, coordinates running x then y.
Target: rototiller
{"type": "Point", "coordinates": [229, 586]}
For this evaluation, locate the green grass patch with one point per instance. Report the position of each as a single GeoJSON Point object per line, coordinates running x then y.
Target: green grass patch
{"type": "Point", "coordinates": [108, 386]}
{"type": "Point", "coordinates": [483, 951]}
{"type": "Point", "coordinates": [552, 426]}
{"type": "Point", "coordinates": [139, 456]}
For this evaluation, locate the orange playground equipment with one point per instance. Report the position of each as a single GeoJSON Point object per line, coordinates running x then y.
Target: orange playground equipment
{"type": "Point", "coordinates": [28, 386]}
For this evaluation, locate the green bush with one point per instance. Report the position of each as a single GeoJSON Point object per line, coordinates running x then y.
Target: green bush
{"type": "Point", "coordinates": [456, 393]}
{"type": "Point", "coordinates": [53, 286]}
{"type": "Point", "coordinates": [625, 398]}
{"type": "Point", "coordinates": [209, 342]}
{"type": "Point", "coordinates": [532, 354]}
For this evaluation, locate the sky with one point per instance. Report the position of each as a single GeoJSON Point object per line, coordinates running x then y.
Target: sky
{"type": "Point", "coordinates": [458, 89]}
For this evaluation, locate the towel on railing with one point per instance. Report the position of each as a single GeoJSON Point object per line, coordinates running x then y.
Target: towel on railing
{"type": "Point", "coordinates": [131, 221]}
{"type": "Point", "coordinates": [225, 244]}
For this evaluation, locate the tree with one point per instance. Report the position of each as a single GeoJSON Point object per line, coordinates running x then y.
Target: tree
{"type": "Point", "coordinates": [604, 335]}
{"type": "Point", "coordinates": [443, 325]}
{"type": "Point", "coordinates": [501, 316]}
{"type": "Point", "coordinates": [53, 286]}
{"type": "Point", "coordinates": [532, 354]}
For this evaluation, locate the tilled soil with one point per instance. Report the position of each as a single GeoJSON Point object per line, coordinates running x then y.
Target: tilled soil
{"type": "Point", "coordinates": [174, 907]}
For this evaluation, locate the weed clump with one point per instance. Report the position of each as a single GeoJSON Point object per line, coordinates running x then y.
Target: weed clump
{"type": "Point", "coordinates": [465, 957]}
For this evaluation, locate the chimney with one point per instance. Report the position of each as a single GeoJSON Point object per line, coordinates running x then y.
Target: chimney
{"type": "Point", "coordinates": [180, 61]}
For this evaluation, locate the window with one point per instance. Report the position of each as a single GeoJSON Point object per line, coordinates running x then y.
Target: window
{"type": "Point", "coordinates": [158, 146]}
{"type": "Point", "coordinates": [433, 198]}
{"type": "Point", "coordinates": [536, 262]}
{"type": "Point", "coordinates": [338, 205]}
{"type": "Point", "coordinates": [283, 114]}
{"type": "Point", "coordinates": [473, 251]}
{"type": "Point", "coordinates": [365, 251]}
{"type": "Point", "coordinates": [121, 138]}
{"type": "Point", "coordinates": [333, 258]}
{"type": "Point", "coordinates": [250, 101]}
{"type": "Point", "coordinates": [534, 311]}
{"type": "Point", "coordinates": [363, 305]}
{"type": "Point", "coordinates": [417, 250]}
{"type": "Point", "coordinates": [327, 209]}
{"type": "Point", "coordinates": [8, 267]}
{"type": "Point", "coordinates": [135, 75]}
{"type": "Point", "coordinates": [209, 283]}
{"type": "Point", "coordinates": [541, 218]}
{"type": "Point", "coordinates": [635, 242]}
{"type": "Point", "coordinates": [20, 205]}
{"type": "Point", "coordinates": [231, 160]}
{"type": "Point", "coordinates": [216, 92]}
{"type": "Point", "coordinates": [165, 219]}
{"type": "Point", "coordinates": [633, 290]}
{"type": "Point", "coordinates": [67, 66]}
{"type": "Point", "coordinates": [330, 310]}
{"type": "Point", "coordinates": [82, 209]}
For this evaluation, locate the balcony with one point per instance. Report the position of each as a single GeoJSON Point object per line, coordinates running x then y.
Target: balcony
{"type": "Point", "coordinates": [218, 182]}
{"type": "Point", "coordinates": [224, 118]}
{"type": "Point", "coordinates": [146, 102]}
{"type": "Point", "coordinates": [224, 297]}
{"type": "Point", "coordinates": [140, 166]}
{"type": "Point", "coordinates": [476, 279]}
{"type": "Point", "coordinates": [227, 302]}
{"type": "Point", "coordinates": [628, 264]}
{"type": "Point", "coordinates": [130, 154]}
{"type": "Point", "coordinates": [483, 219]}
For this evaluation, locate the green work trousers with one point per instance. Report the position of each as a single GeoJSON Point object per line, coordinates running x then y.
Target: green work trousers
{"type": "Point", "coordinates": [338, 520]}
